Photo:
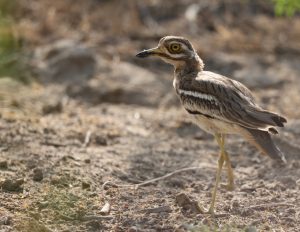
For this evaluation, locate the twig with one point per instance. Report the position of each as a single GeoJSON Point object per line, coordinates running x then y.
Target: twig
{"type": "Point", "coordinates": [117, 185]}
{"type": "Point", "coordinates": [136, 186]}
{"type": "Point", "coordinates": [87, 138]}
{"type": "Point", "coordinates": [54, 144]}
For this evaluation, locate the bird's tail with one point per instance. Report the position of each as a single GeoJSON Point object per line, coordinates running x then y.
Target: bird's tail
{"type": "Point", "coordinates": [263, 141]}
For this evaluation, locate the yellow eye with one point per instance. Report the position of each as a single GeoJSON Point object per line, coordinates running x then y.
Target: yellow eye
{"type": "Point", "coordinates": [175, 47]}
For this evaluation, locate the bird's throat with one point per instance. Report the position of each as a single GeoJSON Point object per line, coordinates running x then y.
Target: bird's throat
{"type": "Point", "coordinates": [194, 64]}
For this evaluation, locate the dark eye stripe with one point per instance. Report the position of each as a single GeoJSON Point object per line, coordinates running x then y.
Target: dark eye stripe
{"type": "Point", "coordinates": [183, 41]}
{"type": "Point", "coordinates": [169, 57]}
{"type": "Point", "coordinates": [186, 43]}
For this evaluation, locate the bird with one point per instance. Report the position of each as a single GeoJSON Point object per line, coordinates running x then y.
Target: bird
{"type": "Point", "coordinates": [217, 104]}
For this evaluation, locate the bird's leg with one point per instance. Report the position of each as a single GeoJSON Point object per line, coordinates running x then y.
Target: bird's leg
{"type": "Point", "coordinates": [230, 185]}
{"type": "Point", "coordinates": [218, 175]}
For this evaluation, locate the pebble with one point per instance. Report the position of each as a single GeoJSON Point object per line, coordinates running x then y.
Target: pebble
{"type": "Point", "coordinates": [186, 203]}
{"type": "Point", "coordinates": [101, 140]}
{"type": "Point", "coordinates": [3, 164]}
{"type": "Point", "coordinates": [87, 161]}
{"type": "Point", "coordinates": [5, 220]}
{"type": "Point", "coordinates": [85, 185]}
{"type": "Point", "coordinates": [12, 185]}
{"type": "Point", "coordinates": [235, 204]}
{"type": "Point", "coordinates": [51, 108]}
{"type": "Point", "coordinates": [38, 174]}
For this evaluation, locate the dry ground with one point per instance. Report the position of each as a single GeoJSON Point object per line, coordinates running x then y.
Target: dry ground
{"type": "Point", "coordinates": [69, 149]}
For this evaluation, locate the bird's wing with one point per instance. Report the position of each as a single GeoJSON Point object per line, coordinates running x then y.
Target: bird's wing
{"type": "Point", "coordinates": [219, 97]}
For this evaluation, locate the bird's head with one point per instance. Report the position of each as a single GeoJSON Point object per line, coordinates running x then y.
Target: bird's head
{"type": "Point", "coordinates": [175, 50]}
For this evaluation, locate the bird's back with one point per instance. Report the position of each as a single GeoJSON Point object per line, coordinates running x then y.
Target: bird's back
{"type": "Point", "coordinates": [224, 99]}
{"type": "Point", "coordinates": [222, 105]}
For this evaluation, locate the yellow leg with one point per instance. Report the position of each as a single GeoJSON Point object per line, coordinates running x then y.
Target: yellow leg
{"type": "Point", "coordinates": [218, 175]}
{"type": "Point", "coordinates": [230, 185]}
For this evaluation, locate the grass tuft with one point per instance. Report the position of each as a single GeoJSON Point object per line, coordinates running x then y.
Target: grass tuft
{"type": "Point", "coordinates": [12, 56]}
{"type": "Point", "coordinates": [286, 7]}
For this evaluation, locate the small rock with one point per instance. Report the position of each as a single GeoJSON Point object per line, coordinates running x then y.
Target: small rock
{"type": "Point", "coordinates": [85, 185]}
{"type": "Point", "coordinates": [5, 220]}
{"type": "Point", "coordinates": [59, 181]}
{"type": "Point", "coordinates": [87, 161]}
{"type": "Point", "coordinates": [38, 174]}
{"type": "Point", "coordinates": [247, 188]}
{"type": "Point", "coordinates": [235, 204]}
{"type": "Point", "coordinates": [186, 203]}
{"type": "Point", "coordinates": [12, 185]}
{"type": "Point", "coordinates": [100, 140]}
{"type": "Point", "coordinates": [105, 209]}
{"type": "Point", "coordinates": [31, 164]}
{"type": "Point", "coordinates": [120, 87]}
{"type": "Point", "coordinates": [65, 61]}
{"type": "Point", "coordinates": [43, 204]}
{"type": "Point", "coordinates": [3, 164]}
{"type": "Point", "coordinates": [51, 108]}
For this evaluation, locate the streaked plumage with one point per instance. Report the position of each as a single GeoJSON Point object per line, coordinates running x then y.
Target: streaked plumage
{"type": "Point", "coordinates": [222, 105]}
{"type": "Point", "coordinates": [218, 104]}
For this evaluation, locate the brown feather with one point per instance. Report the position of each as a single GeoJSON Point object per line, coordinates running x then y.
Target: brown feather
{"type": "Point", "coordinates": [263, 141]}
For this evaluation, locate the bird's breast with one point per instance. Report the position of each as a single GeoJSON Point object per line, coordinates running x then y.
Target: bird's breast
{"type": "Point", "coordinates": [213, 125]}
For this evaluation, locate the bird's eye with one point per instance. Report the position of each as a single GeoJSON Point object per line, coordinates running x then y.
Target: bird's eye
{"type": "Point", "coordinates": [175, 47]}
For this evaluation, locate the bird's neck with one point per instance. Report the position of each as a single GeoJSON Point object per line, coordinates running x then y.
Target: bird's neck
{"type": "Point", "coordinates": [191, 65]}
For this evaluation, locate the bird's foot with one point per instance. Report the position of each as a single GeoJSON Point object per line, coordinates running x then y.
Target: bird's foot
{"type": "Point", "coordinates": [204, 210]}
{"type": "Point", "coordinates": [211, 211]}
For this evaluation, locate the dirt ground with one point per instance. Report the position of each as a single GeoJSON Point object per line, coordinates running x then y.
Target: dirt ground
{"type": "Point", "coordinates": [72, 152]}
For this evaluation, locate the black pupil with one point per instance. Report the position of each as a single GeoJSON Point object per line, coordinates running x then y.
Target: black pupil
{"type": "Point", "coordinates": [175, 47]}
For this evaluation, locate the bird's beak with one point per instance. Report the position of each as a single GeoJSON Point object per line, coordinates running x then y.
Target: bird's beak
{"type": "Point", "coordinates": [149, 52]}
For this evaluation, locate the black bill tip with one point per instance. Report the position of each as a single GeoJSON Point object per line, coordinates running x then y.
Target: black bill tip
{"type": "Point", "coordinates": [144, 54]}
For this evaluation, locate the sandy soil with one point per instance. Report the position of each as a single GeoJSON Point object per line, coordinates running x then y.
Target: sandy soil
{"type": "Point", "coordinates": [72, 154]}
